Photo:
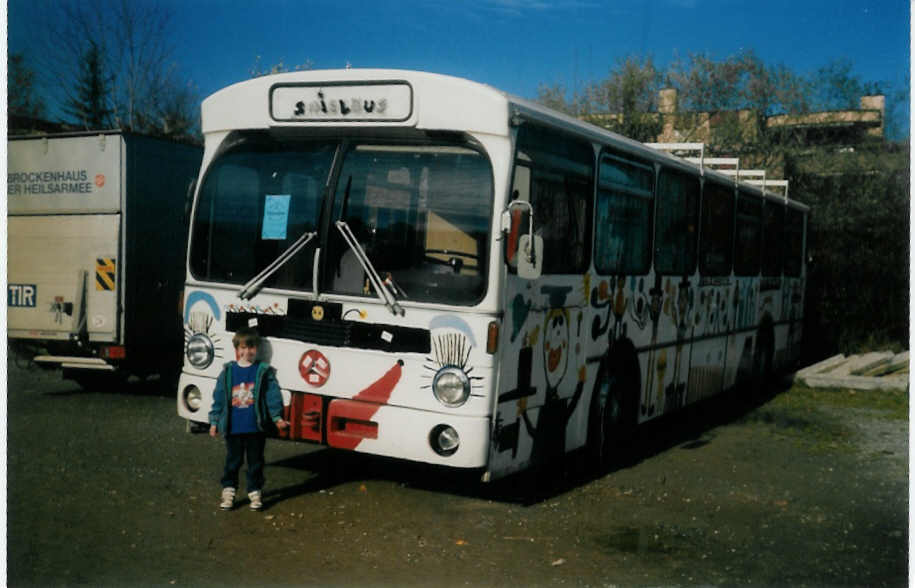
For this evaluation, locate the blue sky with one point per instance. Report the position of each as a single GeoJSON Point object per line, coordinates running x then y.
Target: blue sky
{"type": "Point", "coordinates": [515, 45]}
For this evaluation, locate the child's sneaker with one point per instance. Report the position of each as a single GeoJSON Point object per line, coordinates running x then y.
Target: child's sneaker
{"type": "Point", "coordinates": [228, 498]}
{"type": "Point", "coordinates": [255, 498]}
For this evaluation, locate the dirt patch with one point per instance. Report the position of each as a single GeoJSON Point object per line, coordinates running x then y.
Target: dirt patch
{"type": "Point", "coordinates": [107, 488]}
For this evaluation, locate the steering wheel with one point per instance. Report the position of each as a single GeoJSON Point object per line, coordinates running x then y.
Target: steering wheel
{"type": "Point", "coordinates": [453, 262]}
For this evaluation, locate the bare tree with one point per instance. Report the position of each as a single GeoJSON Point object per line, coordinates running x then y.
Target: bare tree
{"type": "Point", "coordinates": [556, 97]}
{"type": "Point", "coordinates": [739, 94]}
{"type": "Point", "coordinates": [258, 70]}
{"type": "Point", "coordinates": [625, 101]}
{"type": "Point", "coordinates": [90, 108]}
{"type": "Point", "coordinates": [22, 97]}
{"type": "Point", "coordinates": [146, 92]}
{"type": "Point", "coordinates": [858, 231]}
{"type": "Point", "coordinates": [630, 91]}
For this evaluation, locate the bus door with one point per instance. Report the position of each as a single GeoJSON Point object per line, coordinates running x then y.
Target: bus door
{"type": "Point", "coordinates": [547, 330]}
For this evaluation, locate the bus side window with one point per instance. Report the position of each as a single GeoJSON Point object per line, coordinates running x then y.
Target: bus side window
{"type": "Point", "coordinates": [561, 171]}
{"type": "Point", "coordinates": [521, 184]}
{"type": "Point", "coordinates": [521, 190]}
{"type": "Point", "coordinates": [794, 242]}
{"type": "Point", "coordinates": [773, 238]}
{"type": "Point", "coordinates": [748, 246]}
{"type": "Point", "coordinates": [625, 203]}
{"type": "Point", "coordinates": [716, 246]}
{"type": "Point", "coordinates": [677, 223]}
{"type": "Point", "coordinates": [560, 206]}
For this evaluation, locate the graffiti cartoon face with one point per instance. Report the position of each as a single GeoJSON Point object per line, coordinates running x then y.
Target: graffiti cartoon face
{"type": "Point", "coordinates": [556, 345]}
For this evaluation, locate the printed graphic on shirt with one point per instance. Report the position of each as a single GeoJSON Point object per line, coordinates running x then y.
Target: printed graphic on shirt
{"type": "Point", "coordinates": [243, 395]}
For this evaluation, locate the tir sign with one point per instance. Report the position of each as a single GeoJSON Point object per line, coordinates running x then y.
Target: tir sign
{"type": "Point", "coordinates": [22, 295]}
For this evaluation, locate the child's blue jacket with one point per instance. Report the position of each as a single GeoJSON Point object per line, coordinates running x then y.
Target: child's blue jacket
{"type": "Point", "coordinates": [268, 400]}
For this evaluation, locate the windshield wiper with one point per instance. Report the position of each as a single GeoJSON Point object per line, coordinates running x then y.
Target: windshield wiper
{"type": "Point", "coordinates": [250, 289]}
{"type": "Point", "coordinates": [381, 289]}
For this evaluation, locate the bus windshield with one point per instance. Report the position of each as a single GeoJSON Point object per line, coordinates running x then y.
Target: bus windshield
{"type": "Point", "coordinates": [420, 212]}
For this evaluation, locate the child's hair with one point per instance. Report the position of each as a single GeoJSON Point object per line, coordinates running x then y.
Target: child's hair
{"type": "Point", "coordinates": [246, 335]}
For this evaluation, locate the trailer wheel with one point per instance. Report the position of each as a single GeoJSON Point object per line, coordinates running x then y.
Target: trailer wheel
{"type": "Point", "coordinates": [95, 381]}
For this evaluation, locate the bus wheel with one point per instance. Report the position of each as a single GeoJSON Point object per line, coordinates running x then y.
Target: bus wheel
{"type": "Point", "coordinates": [763, 354]}
{"type": "Point", "coordinates": [610, 421]}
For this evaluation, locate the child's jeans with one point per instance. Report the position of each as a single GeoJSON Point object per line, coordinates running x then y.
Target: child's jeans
{"type": "Point", "coordinates": [238, 447]}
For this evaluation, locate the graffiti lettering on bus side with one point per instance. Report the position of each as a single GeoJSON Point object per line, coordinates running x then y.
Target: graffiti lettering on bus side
{"type": "Point", "coordinates": [745, 304]}
{"type": "Point", "coordinates": [712, 281]}
{"type": "Point", "coordinates": [766, 284]}
{"type": "Point", "coordinates": [639, 309]}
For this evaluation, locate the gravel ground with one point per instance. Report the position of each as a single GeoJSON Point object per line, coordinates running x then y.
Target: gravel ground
{"type": "Point", "coordinates": [105, 487]}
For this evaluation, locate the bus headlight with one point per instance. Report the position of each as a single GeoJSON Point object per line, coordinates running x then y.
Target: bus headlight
{"type": "Point", "coordinates": [444, 440]}
{"type": "Point", "coordinates": [192, 398]}
{"type": "Point", "coordinates": [451, 386]}
{"type": "Point", "coordinates": [200, 351]}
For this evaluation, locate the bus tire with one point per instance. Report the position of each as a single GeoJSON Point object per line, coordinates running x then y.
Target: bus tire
{"type": "Point", "coordinates": [763, 356]}
{"type": "Point", "coordinates": [612, 416]}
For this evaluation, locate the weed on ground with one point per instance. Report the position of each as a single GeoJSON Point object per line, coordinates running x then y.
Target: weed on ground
{"type": "Point", "coordinates": [820, 417]}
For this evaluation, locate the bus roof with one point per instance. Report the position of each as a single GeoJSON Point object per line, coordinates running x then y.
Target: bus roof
{"type": "Point", "coordinates": [402, 98]}
{"type": "Point", "coordinates": [354, 97]}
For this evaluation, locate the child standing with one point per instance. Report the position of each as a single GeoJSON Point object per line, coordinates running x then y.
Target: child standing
{"type": "Point", "coordinates": [246, 401]}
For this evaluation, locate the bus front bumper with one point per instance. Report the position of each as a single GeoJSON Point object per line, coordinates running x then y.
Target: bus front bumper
{"type": "Point", "coordinates": [380, 429]}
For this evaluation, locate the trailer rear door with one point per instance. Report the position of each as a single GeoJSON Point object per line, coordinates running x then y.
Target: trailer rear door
{"type": "Point", "coordinates": [64, 237]}
{"type": "Point", "coordinates": [63, 270]}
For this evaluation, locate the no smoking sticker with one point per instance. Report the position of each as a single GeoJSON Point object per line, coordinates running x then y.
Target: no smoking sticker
{"type": "Point", "coordinates": [314, 367]}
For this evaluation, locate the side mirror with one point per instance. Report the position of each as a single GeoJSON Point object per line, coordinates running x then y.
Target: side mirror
{"type": "Point", "coordinates": [524, 250]}
{"type": "Point", "coordinates": [530, 257]}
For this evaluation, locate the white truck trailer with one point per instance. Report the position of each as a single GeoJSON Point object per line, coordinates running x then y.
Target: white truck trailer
{"type": "Point", "coordinates": [96, 242]}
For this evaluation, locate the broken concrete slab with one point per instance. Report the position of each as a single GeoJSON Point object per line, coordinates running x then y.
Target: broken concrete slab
{"type": "Point", "coordinates": [857, 382]}
{"type": "Point", "coordinates": [868, 371]}
{"type": "Point", "coordinates": [822, 366]}
{"type": "Point", "coordinates": [897, 365]}
{"type": "Point", "coordinates": [857, 364]}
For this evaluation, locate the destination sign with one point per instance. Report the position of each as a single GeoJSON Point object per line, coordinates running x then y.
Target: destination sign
{"type": "Point", "coordinates": [383, 101]}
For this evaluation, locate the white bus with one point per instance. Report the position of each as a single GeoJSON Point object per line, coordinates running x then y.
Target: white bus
{"type": "Point", "coordinates": [445, 273]}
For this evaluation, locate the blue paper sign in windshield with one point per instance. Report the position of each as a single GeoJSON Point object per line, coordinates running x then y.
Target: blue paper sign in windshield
{"type": "Point", "coordinates": [276, 216]}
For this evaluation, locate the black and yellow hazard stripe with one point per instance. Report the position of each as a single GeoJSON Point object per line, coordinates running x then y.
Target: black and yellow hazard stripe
{"type": "Point", "coordinates": [104, 273]}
